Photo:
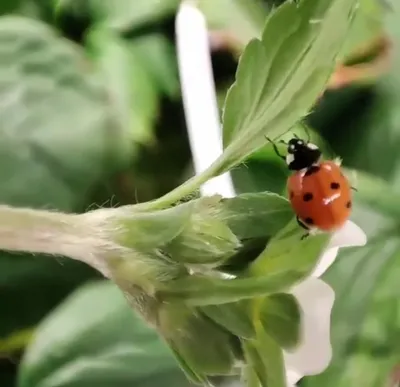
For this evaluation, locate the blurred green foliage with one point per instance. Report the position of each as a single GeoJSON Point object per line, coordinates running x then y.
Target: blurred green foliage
{"type": "Point", "coordinates": [70, 141]}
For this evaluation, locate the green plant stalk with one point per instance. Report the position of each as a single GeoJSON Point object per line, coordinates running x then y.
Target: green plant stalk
{"type": "Point", "coordinates": [184, 189]}
{"type": "Point", "coordinates": [188, 187]}
{"type": "Point", "coordinates": [52, 233]}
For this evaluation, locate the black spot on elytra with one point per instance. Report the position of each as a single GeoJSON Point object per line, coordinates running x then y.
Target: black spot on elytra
{"type": "Point", "coordinates": [307, 196]}
{"type": "Point", "coordinates": [335, 185]}
{"type": "Point", "coordinates": [309, 221]}
{"type": "Point", "coordinates": [291, 194]}
{"type": "Point", "coordinates": [313, 169]}
{"type": "Point", "coordinates": [348, 204]}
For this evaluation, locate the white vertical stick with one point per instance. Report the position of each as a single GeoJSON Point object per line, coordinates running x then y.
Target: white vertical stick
{"type": "Point", "coordinates": [199, 96]}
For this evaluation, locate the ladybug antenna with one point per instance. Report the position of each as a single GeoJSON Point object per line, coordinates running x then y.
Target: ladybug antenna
{"type": "Point", "coordinates": [272, 141]}
{"type": "Point", "coordinates": [307, 130]}
{"type": "Point", "coordinates": [276, 150]}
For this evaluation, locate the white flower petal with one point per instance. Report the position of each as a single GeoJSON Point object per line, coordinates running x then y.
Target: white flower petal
{"type": "Point", "coordinates": [314, 352]}
{"type": "Point", "coordinates": [199, 96]}
{"type": "Point", "coordinates": [349, 235]}
{"type": "Point", "coordinates": [292, 378]}
{"type": "Point", "coordinates": [328, 257]}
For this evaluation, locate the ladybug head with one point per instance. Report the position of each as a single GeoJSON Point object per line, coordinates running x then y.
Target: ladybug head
{"type": "Point", "coordinates": [301, 154]}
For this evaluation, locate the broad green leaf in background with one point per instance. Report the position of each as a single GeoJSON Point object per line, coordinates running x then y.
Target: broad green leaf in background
{"type": "Point", "coordinates": [372, 358]}
{"type": "Point", "coordinates": [58, 140]}
{"type": "Point", "coordinates": [362, 122]}
{"type": "Point", "coordinates": [38, 283]}
{"type": "Point", "coordinates": [131, 90]}
{"type": "Point", "coordinates": [94, 339]}
{"type": "Point", "coordinates": [123, 14]}
{"type": "Point", "coordinates": [363, 125]}
{"type": "Point", "coordinates": [357, 278]}
{"type": "Point", "coordinates": [10, 6]}
{"type": "Point", "coordinates": [135, 73]}
{"type": "Point", "coordinates": [58, 134]}
{"type": "Point", "coordinates": [280, 77]}
{"type": "Point", "coordinates": [157, 56]}
{"type": "Point", "coordinates": [377, 194]}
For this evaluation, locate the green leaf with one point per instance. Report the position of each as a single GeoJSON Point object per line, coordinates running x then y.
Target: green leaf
{"type": "Point", "coordinates": [280, 77]}
{"type": "Point", "coordinates": [94, 339]}
{"type": "Point", "coordinates": [256, 368]}
{"type": "Point", "coordinates": [234, 317]}
{"type": "Point", "coordinates": [256, 215]}
{"type": "Point", "coordinates": [272, 356]}
{"type": "Point", "coordinates": [131, 89]}
{"type": "Point", "coordinates": [266, 358]}
{"type": "Point", "coordinates": [368, 25]}
{"type": "Point", "coordinates": [190, 373]}
{"type": "Point", "coordinates": [244, 20]}
{"type": "Point", "coordinates": [203, 345]}
{"type": "Point", "coordinates": [280, 317]}
{"type": "Point", "coordinates": [287, 256]}
{"type": "Point", "coordinates": [201, 290]}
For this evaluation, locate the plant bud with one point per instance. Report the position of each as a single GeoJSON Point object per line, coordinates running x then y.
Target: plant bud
{"type": "Point", "coordinates": [205, 239]}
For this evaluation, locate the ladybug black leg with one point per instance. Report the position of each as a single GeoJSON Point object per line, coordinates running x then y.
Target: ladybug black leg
{"type": "Point", "coordinates": [306, 235]}
{"type": "Point", "coordinates": [302, 225]}
{"type": "Point", "coordinates": [354, 189]}
{"type": "Point", "coordinates": [276, 148]}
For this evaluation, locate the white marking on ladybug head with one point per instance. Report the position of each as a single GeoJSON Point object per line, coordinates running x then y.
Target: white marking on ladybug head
{"type": "Point", "coordinates": [312, 146]}
{"type": "Point", "coordinates": [289, 158]}
{"type": "Point", "coordinates": [337, 161]}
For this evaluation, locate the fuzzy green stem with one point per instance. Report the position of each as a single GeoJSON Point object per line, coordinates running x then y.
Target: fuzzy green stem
{"type": "Point", "coordinates": [183, 190]}
{"type": "Point", "coordinates": [48, 232]}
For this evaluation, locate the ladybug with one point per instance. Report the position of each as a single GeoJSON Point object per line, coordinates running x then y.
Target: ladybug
{"type": "Point", "coordinates": [319, 192]}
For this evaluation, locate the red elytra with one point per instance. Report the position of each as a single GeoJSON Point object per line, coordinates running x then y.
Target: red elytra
{"type": "Point", "coordinates": [320, 196]}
